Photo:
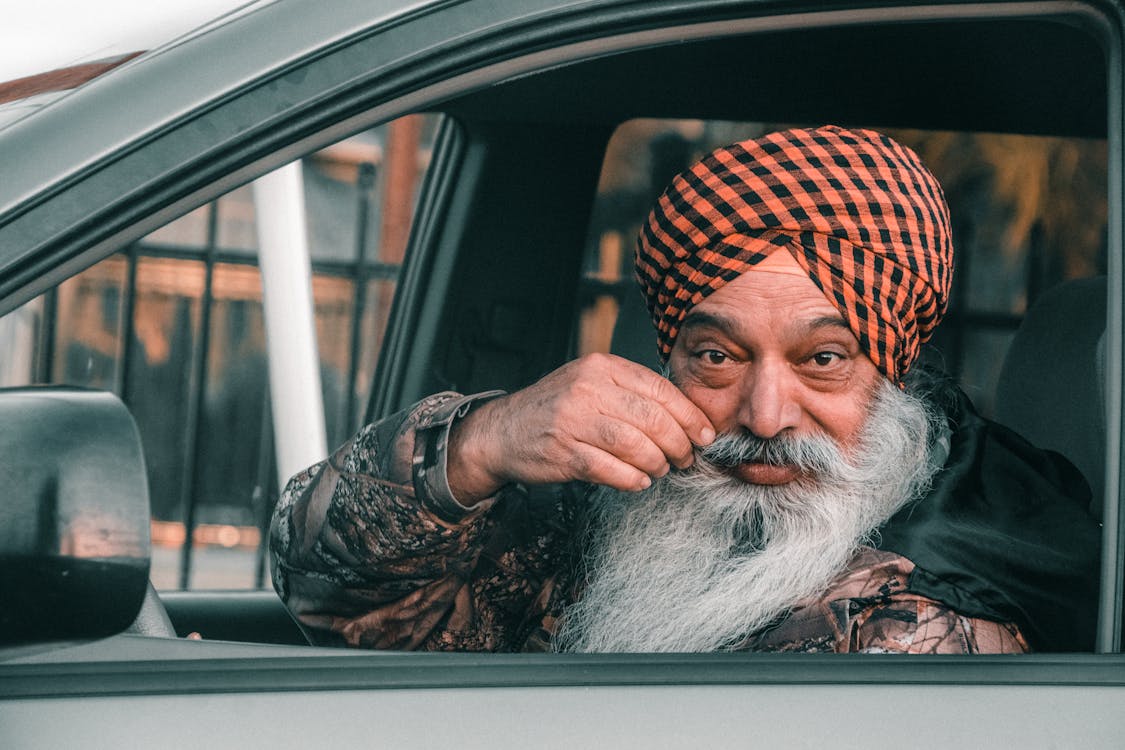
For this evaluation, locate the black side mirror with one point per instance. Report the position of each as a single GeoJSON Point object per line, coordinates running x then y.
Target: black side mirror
{"type": "Point", "coordinates": [74, 515]}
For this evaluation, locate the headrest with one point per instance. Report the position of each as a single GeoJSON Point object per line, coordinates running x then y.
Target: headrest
{"type": "Point", "coordinates": [1052, 386]}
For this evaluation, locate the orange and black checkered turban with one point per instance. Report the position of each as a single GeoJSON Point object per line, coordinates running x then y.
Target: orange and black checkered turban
{"type": "Point", "coordinates": [858, 212]}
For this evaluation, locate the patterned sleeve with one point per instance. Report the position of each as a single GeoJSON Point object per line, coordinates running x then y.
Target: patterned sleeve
{"type": "Point", "coordinates": [870, 609]}
{"type": "Point", "coordinates": [918, 625]}
{"type": "Point", "coordinates": [884, 616]}
{"type": "Point", "coordinates": [370, 549]}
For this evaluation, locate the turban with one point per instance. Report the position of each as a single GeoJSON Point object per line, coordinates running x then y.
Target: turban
{"type": "Point", "coordinates": [858, 212]}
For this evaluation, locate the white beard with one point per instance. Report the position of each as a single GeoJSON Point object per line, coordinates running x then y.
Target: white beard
{"type": "Point", "coordinates": [701, 560]}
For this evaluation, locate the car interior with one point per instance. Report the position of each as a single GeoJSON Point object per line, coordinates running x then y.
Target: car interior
{"type": "Point", "coordinates": [498, 266]}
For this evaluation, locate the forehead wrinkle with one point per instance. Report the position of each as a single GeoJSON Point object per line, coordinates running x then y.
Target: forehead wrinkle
{"type": "Point", "coordinates": [696, 319]}
{"type": "Point", "coordinates": [728, 327]}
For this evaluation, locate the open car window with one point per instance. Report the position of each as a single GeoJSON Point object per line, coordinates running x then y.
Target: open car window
{"type": "Point", "coordinates": [173, 324]}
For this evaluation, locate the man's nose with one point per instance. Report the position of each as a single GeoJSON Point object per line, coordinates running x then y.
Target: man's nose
{"type": "Point", "coordinates": [769, 405]}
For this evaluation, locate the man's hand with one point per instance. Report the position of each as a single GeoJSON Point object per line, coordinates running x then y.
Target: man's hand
{"type": "Point", "coordinates": [599, 419]}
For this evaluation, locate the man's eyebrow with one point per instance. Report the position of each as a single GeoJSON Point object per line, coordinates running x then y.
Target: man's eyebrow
{"type": "Point", "coordinates": [828, 321]}
{"type": "Point", "coordinates": [706, 320]}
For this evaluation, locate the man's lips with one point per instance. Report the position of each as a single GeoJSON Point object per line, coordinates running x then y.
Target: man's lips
{"type": "Point", "coordinates": [759, 473]}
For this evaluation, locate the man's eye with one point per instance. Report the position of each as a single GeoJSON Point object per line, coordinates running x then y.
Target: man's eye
{"type": "Point", "coordinates": [712, 356]}
{"type": "Point", "coordinates": [825, 359]}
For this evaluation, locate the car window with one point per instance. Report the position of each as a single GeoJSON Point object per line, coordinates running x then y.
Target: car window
{"type": "Point", "coordinates": [1029, 212]}
{"type": "Point", "coordinates": [173, 324]}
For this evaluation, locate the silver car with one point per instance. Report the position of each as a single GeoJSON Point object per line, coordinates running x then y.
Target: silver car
{"type": "Point", "coordinates": [247, 243]}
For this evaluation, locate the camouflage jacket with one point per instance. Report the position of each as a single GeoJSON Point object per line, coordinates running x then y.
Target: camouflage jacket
{"type": "Point", "coordinates": [370, 549]}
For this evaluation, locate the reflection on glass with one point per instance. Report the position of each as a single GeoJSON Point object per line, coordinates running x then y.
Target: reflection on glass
{"type": "Point", "coordinates": [333, 298]}
{"type": "Point", "coordinates": [88, 324]}
{"type": "Point", "coordinates": [20, 332]}
{"type": "Point", "coordinates": [236, 230]}
{"type": "Point", "coordinates": [376, 312]}
{"type": "Point", "coordinates": [165, 330]}
{"type": "Point", "coordinates": [188, 231]}
{"type": "Point", "coordinates": [234, 401]}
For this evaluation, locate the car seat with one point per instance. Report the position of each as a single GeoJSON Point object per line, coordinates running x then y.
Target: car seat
{"type": "Point", "coordinates": [1052, 384]}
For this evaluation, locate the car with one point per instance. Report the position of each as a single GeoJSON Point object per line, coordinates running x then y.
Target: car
{"type": "Point", "coordinates": [545, 126]}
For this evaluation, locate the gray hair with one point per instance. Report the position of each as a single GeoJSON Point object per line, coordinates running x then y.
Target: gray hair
{"type": "Point", "coordinates": [702, 560]}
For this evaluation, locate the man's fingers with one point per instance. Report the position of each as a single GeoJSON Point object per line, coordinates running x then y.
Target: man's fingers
{"type": "Point", "coordinates": [654, 422]}
{"type": "Point", "coordinates": [649, 385]}
{"type": "Point", "coordinates": [601, 419]}
{"type": "Point", "coordinates": [596, 466]}
{"type": "Point", "coordinates": [630, 445]}
{"type": "Point", "coordinates": [690, 417]}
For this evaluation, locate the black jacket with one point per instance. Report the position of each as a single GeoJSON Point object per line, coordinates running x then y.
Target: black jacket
{"type": "Point", "coordinates": [1005, 534]}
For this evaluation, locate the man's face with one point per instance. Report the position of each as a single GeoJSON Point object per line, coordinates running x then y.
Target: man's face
{"type": "Point", "coordinates": [769, 355]}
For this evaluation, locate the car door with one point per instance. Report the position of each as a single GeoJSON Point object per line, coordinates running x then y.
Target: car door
{"type": "Point", "coordinates": [534, 90]}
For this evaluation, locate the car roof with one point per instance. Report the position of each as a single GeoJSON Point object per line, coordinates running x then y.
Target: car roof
{"type": "Point", "coordinates": [47, 54]}
{"type": "Point", "coordinates": [53, 35]}
{"type": "Point", "coordinates": [170, 82]}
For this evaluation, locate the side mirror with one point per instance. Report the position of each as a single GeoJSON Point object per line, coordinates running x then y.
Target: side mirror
{"type": "Point", "coordinates": [74, 515]}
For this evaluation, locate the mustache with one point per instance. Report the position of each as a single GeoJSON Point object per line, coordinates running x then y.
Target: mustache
{"type": "Point", "coordinates": [813, 454]}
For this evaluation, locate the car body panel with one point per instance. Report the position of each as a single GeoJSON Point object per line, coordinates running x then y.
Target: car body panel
{"type": "Point", "coordinates": [549, 701]}
{"type": "Point", "coordinates": [623, 717]}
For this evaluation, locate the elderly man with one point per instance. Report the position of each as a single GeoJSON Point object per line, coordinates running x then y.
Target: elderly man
{"type": "Point", "coordinates": [792, 485]}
